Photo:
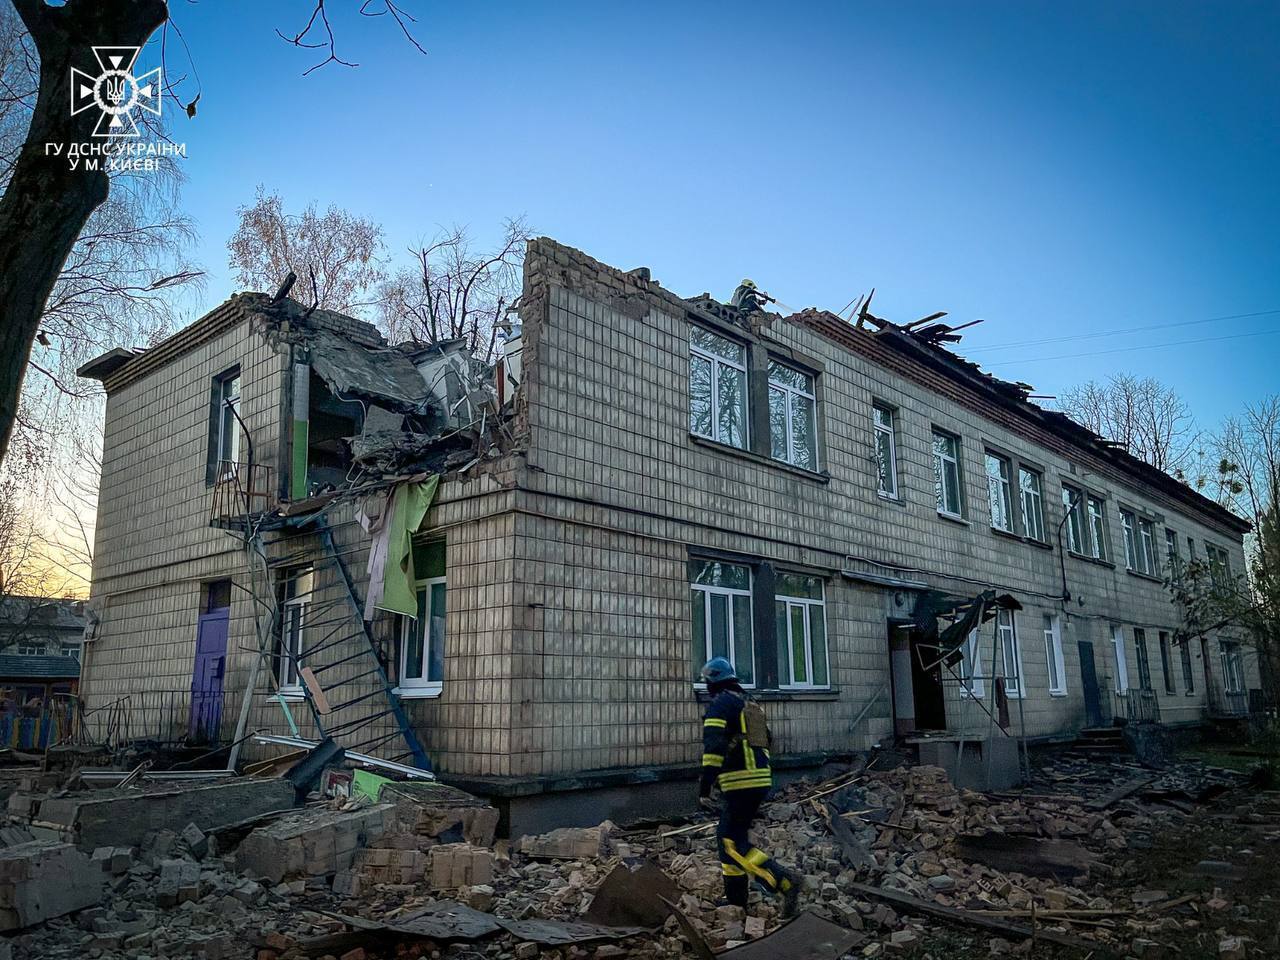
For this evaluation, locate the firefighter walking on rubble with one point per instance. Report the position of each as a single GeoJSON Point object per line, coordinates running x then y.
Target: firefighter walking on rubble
{"type": "Point", "coordinates": [735, 755]}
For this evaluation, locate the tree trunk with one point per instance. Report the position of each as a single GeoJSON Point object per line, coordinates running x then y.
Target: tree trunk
{"type": "Point", "coordinates": [47, 202]}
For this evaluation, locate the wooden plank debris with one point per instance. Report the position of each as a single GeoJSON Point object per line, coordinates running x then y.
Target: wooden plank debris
{"type": "Point", "coordinates": [1119, 793]}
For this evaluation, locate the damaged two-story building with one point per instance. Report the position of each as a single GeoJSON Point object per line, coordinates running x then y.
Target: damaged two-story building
{"type": "Point", "coordinates": [511, 575]}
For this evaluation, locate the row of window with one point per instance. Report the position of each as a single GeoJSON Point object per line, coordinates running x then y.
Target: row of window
{"type": "Point", "coordinates": [720, 396]}
{"type": "Point", "coordinates": [973, 672]}
{"type": "Point", "coordinates": [38, 648]}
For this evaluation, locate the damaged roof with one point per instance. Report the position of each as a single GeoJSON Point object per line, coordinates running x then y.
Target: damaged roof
{"type": "Point", "coordinates": [383, 375]}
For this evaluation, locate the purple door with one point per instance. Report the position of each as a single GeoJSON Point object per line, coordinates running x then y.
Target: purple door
{"type": "Point", "coordinates": [206, 676]}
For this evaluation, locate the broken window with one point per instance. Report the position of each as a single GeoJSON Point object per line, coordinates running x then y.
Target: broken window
{"type": "Point", "coordinates": [721, 597]}
{"type": "Point", "coordinates": [224, 425]}
{"type": "Point", "coordinates": [999, 492]}
{"type": "Point", "coordinates": [1188, 675]}
{"type": "Point", "coordinates": [1053, 655]}
{"type": "Point", "coordinates": [970, 668]}
{"type": "Point", "coordinates": [1030, 489]}
{"type": "Point", "coordinates": [717, 388]}
{"type": "Point", "coordinates": [1144, 661]}
{"type": "Point", "coordinates": [1074, 504]}
{"type": "Point", "coordinates": [1010, 655]}
{"type": "Point", "coordinates": [1122, 667]}
{"type": "Point", "coordinates": [1166, 663]}
{"type": "Point", "coordinates": [882, 418]}
{"type": "Point", "coordinates": [946, 473]}
{"type": "Point", "coordinates": [297, 590]}
{"type": "Point", "coordinates": [422, 638]}
{"type": "Point", "coordinates": [802, 631]}
{"type": "Point", "coordinates": [793, 421]}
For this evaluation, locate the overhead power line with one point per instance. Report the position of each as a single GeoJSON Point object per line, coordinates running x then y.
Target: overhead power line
{"type": "Point", "coordinates": [1143, 346]}
{"type": "Point", "coordinates": [1115, 333]}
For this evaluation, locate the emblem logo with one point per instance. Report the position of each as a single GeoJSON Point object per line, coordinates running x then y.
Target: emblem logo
{"type": "Point", "coordinates": [115, 91]}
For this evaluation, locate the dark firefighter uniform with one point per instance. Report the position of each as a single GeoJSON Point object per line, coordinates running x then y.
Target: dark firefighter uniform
{"type": "Point", "coordinates": [744, 777]}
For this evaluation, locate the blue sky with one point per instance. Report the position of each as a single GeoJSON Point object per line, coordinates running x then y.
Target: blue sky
{"type": "Point", "coordinates": [1060, 170]}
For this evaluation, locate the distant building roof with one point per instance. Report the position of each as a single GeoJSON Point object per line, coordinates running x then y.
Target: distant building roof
{"type": "Point", "coordinates": [50, 613]}
{"type": "Point", "coordinates": [16, 667]}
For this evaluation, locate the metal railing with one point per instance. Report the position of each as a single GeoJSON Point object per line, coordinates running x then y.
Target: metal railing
{"type": "Point", "coordinates": [1227, 703]}
{"type": "Point", "coordinates": [1136, 705]}
{"type": "Point", "coordinates": [161, 717]}
{"type": "Point", "coordinates": [240, 490]}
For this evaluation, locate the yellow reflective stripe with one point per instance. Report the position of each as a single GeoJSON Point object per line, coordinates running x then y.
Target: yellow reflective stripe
{"type": "Point", "coordinates": [714, 722]}
{"type": "Point", "coordinates": [756, 856]}
{"type": "Point", "coordinates": [764, 774]}
{"type": "Point", "coordinates": [752, 868]}
{"type": "Point", "coordinates": [729, 870]}
{"type": "Point", "coordinates": [744, 784]}
{"type": "Point", "coordinates": [712, 760]}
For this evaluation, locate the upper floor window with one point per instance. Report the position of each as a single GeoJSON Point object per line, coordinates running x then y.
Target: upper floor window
{"type": "Point", "coordinates": [228, 391]}
{"type": "Point", "coordinates": [1139, 543]}
{"type": "Point", "coordinates": [1171, 557]}
{"type": "Point", "coordinates": [1074, 504]}
{"type": "Point", "coordinates": [1097, 527]}
{"type": "Point", "coordinates": [999, 492]}
{"type": "Point", "coordinates": [717, 388]}
{"type": "Point", "coordinates": [802, 631]}
{"type": "Point", "coordinates": [946, 473]}
{"type": "Point", "coordinates": [882, 419]}
{"type": "Point", "coordinates": [1030, 488]}
{"type": "Point", "coordinates": [30, 648]}
{"type": "Point", "coordinates": [1219, 563]}
{"type": "Point", "coordinates": [721, 596]}
{"type": "Point", "coordinates": [793, 420]}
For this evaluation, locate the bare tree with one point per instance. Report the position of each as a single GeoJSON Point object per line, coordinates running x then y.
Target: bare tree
{"type": "Point", "coordinates": [337, 250]}
{"type": "Point", "coordinates": [47, 200]}
{"type": "Point", "coordinates": [1144, 416]}
{"type": "Point", "coordinates": [454, 291]}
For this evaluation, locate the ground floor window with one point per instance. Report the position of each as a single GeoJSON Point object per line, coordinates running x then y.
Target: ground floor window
{"type": "Point", "coordinates": [297, 589]}
{"type": "Point", "coordinates": [721, 597]}
{"type": "Point", "coordinates": [1144, 660]}
{"type": "Point", "coordinates": [422, 637]}
{"type": "Point", "coordinates": [1122, 668]}
{"type": "Point", "coordinates": [1232, 667]}
{"type": "Point", "coordinates": [1053, 655]}
{"type": "Point", "coordinates": [800, 610]}
{"type": "Point", "coordinates": [970, 668]}
{"type": "Point", "coordinates": [1188, 675]}
{"type": "Point", "coordinates": [1010, 655]}
{"type": "Point", "coordinates": [1166, 663]}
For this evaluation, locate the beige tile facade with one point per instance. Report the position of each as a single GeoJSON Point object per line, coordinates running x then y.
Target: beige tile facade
{"type": "Point", "coordinates": [569, 638]}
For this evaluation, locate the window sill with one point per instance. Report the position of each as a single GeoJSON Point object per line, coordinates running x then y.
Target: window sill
{"type": "Point", "coordinates": [752, 456]}
{"type": "Point", "coordinates": [1144, 576]}
{"type": "Point", "coordinates": [1029, 541]}
{"type": "Point", "coordinates": [954, 518]}
{"type": "Point", "coordinates": [1088, 559]}
{"type": "Point", "coordinates": [418, 693]}
{"type": "Point", "coordinates": [288, 695]}
{"type": "Point", "coordinates": [1059, 693]}
{"type": "Point", "coordinates": [888, 497]}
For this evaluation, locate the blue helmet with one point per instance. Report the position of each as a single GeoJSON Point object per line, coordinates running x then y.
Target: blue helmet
{"type": "Point", "coordinates": [717, 670]}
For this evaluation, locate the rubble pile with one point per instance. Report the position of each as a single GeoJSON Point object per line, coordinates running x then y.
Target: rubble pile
{"type": "Point", "coordinates": [891, 857]}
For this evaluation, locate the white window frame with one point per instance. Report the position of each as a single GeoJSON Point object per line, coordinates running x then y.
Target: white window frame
{"type": "Point", "coordinates": [971, 683]}
{"type": "Point", "coordinates": [229, 426]}
{"type": "Point", "coordinates": [1097, 526]}
{"type": "Point", "coordinates": [716, 360]}
{"type": "Point", "coordinates": [808, 603]}
{"type": "Point", "coordinates": [1032, 531]}
{"type": "Point", "coordinates": [31, 648]}
{"type": "Point", "coordinates": [708, 590]}
{"type": "Point", "coordinates": [1073, 504]}
{"type": "Point", "coordinates": [72, 650]}
{"type": "Point", "coordinates": [420, 687]}
{"type": "Point", "coordinates": [790, 394]}
{"type": "Point", "coordinates": [1130, 524]}
{"type": "Point", "coordinates": [887, 430]}
{"type": "Point", "coordinates": [1147, 544]}
{"type": "Point", "coordinates": [1165, 639]}
{"type": "Point", "coordinates": [1053, 655]}
{"type": "Point", "coordinates": [1118, 655]}
{"type": "Point", "coordinates": [1142, 659]}
{"type": "Point", "coordinates": [293, 643]}
{"type": "Point", "coordinates": [1171, 554]}
{"type": "Point", "coordinates": [1014, 681]}
{"type": "Point", "coordinates": [1002, 485]}
{"type": "Point", "coordinates": [1232, 667]}
{"type": "Point", "coordinates": [940, 462]}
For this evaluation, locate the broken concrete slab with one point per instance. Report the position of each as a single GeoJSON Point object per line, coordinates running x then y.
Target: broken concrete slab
{"type": "Point", "coordinates": [443, 813]}
{"type": "Point", "coordinates": [43, 879]}
{"type": "Point", "coordinates": [312, 842]}
{"type": "Point", "coordinates": [568, 843]}
{"type": "Point", "coordinates": [455, 865]}
{"type": "Point", "coordinates": [125, 817]}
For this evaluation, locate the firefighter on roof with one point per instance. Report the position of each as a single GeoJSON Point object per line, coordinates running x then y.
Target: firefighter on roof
{"type": "Point", "coordinates": [735, 755]}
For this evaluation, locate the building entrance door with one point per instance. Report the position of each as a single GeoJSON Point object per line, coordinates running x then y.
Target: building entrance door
{"type": "Point", "coordinates": [207, 674]}
{"type": "Point", "coordinates": [1089, 683]}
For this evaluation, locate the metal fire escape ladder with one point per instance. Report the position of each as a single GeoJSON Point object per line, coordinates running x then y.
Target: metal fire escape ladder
{"type": "Point", "coordinates": [352, 698]}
